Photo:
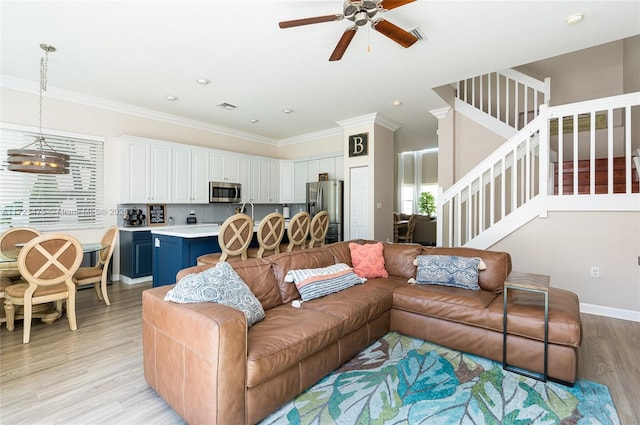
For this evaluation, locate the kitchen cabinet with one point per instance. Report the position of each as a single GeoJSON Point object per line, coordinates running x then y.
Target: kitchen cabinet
{"type": "Point", "coordinates": [147, 168]}
{"type": "Point", "coordinates": [339, 168]}
{"type": "Point", "coordinates": [244, 178]}
{"type": "Point", "coordinates": [190, 176]}
{"type": "Point", "coordinates": [135, 254]}
{"type": "Point", "coordinates": [328, 165]}
{"type": "Point", "coordinates": [264, 181]}
{"type": "Point", "coordinates": [274, 181]}
{"type": "Point", "coordinates": [224, 167]}
{"type": "Point", "coordinates": [286, 182]}
{"type": "Point", "coordinates": [172, 254]}
{"type": "Point", "coordinates": [313, 169]}
{"type": "Point", "coordinates": [300, 171]}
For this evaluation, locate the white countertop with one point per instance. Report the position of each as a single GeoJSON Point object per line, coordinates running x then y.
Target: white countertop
{"type": "Point", "coordinates": [188, 230]}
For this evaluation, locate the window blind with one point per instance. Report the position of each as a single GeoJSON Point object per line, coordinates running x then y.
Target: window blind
{"type": "Point", "coordinates": [50, 202]}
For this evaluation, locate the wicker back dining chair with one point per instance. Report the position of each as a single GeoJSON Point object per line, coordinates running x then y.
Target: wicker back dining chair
{"type": "Point", "coordinates": [98, 273]}
{"type": "Point", "coordinates": [47, 264]}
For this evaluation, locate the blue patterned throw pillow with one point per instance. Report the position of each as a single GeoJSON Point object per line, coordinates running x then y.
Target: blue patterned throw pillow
{"type": "Point", "coordinates": [220, 284]}
{"type": "Point", "coordinates": [448, 270]}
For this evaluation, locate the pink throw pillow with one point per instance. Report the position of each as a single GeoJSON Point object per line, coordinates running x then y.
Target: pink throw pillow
{"type": "Point", "coordinates": [368, 261]}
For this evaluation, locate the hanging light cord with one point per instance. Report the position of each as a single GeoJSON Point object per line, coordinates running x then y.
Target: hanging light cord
{"type": "Point", "coordinates": [44, 67]}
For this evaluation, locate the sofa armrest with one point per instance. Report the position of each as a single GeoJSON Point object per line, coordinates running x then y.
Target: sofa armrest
{"type": "Point", "coordinates": [185, 346]}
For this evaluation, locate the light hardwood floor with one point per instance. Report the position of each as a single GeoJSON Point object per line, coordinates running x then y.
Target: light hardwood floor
{"type": "Point", "coordinates": [95, 376]}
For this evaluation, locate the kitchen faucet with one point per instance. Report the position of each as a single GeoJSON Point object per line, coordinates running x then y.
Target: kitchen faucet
{"type": "Point", "coordinates": [252, 208]}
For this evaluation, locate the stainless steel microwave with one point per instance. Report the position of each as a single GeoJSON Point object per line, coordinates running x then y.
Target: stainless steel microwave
{"type": "Point", "coordinates": [224, 192]}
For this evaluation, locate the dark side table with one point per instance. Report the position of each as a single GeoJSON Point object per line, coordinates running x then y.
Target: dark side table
{"type": "Point", "coordinates": [532, 283]}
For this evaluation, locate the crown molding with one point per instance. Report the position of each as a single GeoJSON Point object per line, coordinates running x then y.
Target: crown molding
{"type": "Point", "coordinates": [374, 118]}
{"type": "Point", "coordinates": [440, 112]}
{"type": "Point", "coordinates": [310, 137]}
{"type": "Point", "coordinates": [101, 103]}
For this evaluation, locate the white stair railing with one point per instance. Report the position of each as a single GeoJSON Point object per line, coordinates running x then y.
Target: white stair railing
{"type": "Point", "coordinates": [516, 183]}
{"type": "Point", "coordinates": [508, 96]}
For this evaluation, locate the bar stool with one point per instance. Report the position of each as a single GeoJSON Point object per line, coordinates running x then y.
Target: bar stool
{"type": "Point", "coordinates": [234, 238]}
{"type": "Point", "coordinates": [270, 234]}
{"type": "Point", "coordinates": [297, 232]}
{"type": "Point", "coordinates": [319, 229]}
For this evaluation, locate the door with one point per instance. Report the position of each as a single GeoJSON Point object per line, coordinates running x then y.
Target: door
{"type": "Point", "coordinates": [359, 203]}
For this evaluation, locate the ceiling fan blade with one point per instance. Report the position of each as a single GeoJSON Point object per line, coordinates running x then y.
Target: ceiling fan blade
{"type": "Point", "coordinates": [342, 45]}
{"type": "Point", "coordinates": [392, 4]}
{"type": "Point", "coordinates": [394, 32]}
{"type": "Point", "coordinates": [309, 21]}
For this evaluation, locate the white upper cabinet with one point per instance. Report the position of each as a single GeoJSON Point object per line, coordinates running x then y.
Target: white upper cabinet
{"type": "Point", "coordinates": [224, 167]}
{"type": "Point", "coordinates": [328, 166]}
{"type": "Point", "coordinates": [286, 182]}
{"type": "Point", "coordinates": [190, 184]}
{"type": "Point", "coordinates": [313, 169]}
{"type": "Point", "coordinates": [147, 171]}
{"type": "Point", "coordinates": [300, 172]}
{"type": "Point", "coordinates": [339, 167]}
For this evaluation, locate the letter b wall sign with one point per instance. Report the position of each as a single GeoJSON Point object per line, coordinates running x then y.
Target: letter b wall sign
{"type": "Point", "coordinates": [358, 144]}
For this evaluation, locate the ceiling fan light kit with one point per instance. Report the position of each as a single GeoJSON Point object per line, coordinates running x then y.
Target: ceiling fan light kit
{"type": "Point", "coordinates": [361, 12]}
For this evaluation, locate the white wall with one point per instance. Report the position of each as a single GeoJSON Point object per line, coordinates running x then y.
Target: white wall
{"type": "Point", "coordinates": [565, 246]}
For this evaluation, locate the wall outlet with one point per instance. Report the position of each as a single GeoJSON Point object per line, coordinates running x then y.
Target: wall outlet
{"type": "Point", "coordinates": [595, 271]}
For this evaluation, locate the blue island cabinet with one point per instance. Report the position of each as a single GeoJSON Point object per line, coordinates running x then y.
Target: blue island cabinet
{"type": "Point", "coordinates": [173, 253]}
{"type": "Point", "coordinates": [135, 255]}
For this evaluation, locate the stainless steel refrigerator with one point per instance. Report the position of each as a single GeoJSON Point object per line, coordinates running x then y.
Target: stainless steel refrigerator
{"type": "Point", "coordinates": [328, 196]}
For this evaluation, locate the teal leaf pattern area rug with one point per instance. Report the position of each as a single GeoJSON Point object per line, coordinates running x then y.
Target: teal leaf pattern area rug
{"type": "Point", "coordinates": [404, 380]}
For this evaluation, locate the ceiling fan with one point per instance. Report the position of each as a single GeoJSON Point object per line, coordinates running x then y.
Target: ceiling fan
{"type": "Point", "coordinates": [361, 12]}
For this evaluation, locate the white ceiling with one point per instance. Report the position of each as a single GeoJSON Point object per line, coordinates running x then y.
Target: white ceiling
{"type": "Point", "coordinates": [138, 52]}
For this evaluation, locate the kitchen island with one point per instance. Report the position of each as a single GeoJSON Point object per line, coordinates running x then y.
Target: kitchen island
{"type": "Point", "coordinates": [178, 247]}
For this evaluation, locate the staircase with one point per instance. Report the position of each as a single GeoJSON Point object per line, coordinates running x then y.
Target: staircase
{"type": "Point", "coordinates": [601, 179]}
{"type": "Point", "coordinates": [549, 151]}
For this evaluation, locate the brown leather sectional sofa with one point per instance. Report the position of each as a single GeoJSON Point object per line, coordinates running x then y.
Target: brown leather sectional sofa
{"type": "Point", "coordinates": [205, 363]}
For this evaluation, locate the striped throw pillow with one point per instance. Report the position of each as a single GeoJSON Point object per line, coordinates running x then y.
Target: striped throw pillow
{"type": "Point", "coordinates": [316, 283]}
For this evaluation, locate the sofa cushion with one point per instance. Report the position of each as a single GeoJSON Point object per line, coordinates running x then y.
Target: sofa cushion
{"type": "Point", "coordinates": [286, 336]}
{"type": "Point", "coordinates": [368, 261]}
{"type": "Point", "coordinates": [498, 264]}
{"type": "Point", "coordinates": [398, 258]}
{"type": "Point", "coordinates": [445, 302]}
{"type": "Point", "coordinates": [220, 284]}
{"type": "Point", "coordinates": [258, 275]}
{"type": "Point", "coordinates": [341, 251]}
{"type": "Point", "coordinates": [526, 316]}
{"type": "Point", "coordinates": [355, 306]}
{"type": "Point", "coordinates": [448, 270]}
{"type": "Point", "coordinates": [319, 282]}
{"type": "Point", "coordinates": [302, 259]}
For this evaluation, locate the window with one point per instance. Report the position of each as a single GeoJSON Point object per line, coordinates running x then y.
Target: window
{"type": "Point", "coordinates": [418, 172]}
{"type": "Point", "coordinates": [52, 202]}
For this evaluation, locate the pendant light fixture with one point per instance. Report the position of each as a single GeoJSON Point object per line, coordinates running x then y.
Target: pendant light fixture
{"type": "Point", "coordinates": [40, 160]}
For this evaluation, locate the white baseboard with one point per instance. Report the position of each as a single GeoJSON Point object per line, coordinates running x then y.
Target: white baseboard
{"type": "Point", "coordinates": [130, 281]}
{"type": "Point", "coordinates": [616, 313]}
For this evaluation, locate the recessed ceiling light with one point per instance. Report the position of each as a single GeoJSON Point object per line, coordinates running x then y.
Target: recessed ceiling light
{"type": "Point", "coordinates": [203, 81]}
{"type": "Point", "coordinates": [397, 103]}
{"type": "Point", "coordinates": [172, 98]}
{"type": "Point", "coordinates": [254, 121]}
{"type": "Point", "coordinates": [287, 110]}
{"type": "Point", "coordinates": [575, 18]}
